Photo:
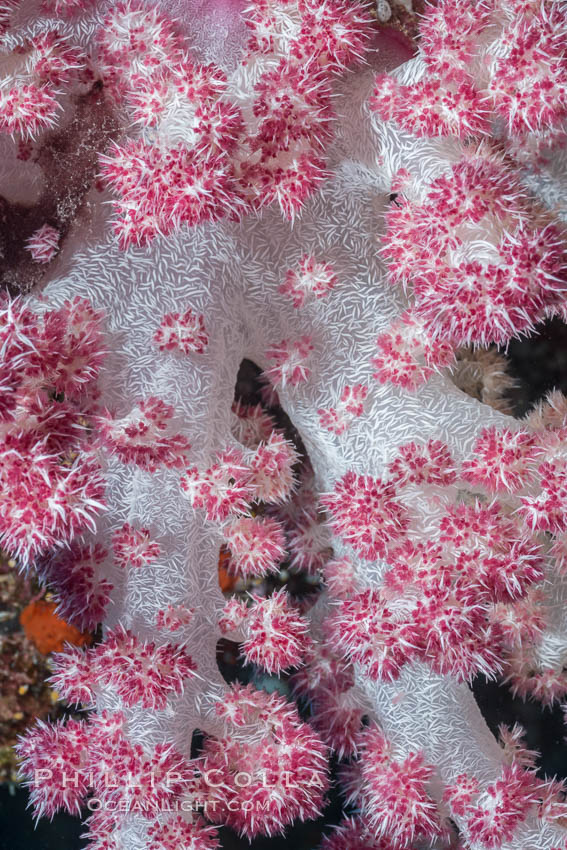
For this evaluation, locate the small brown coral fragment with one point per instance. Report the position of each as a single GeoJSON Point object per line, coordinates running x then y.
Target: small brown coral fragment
{"type": "Point", "coordinates": [481, 373]}
{"type": "Point", "coordinates": [47, 631]}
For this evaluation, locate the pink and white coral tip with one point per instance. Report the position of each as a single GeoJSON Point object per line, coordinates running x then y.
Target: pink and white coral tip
{"type": "Point", "coordinates": [332, 35]}
{"type": "Point", "coordinates": [140, 672]}
{"type": "Point", "coordinates": [272, 467]}
{"type": "Point", "coordinates": [350, 406]}
{"type": "Point", "coordinates": [430, 108]}
{"type": "Point", "coordinates": [408, 355]}
{"type": "Point", "coordinates": [73, 675]}
{"type": "Point", "coordinates": [429, 464]}
{"type": "Point", "coordinates": [277, 635]}
{"type": "Point", "coordinates": [133, 547]}
{"type": "Point", "coordinates": [503, 460]}
{"type": "Point", "coordinates": [47, 503]}
{"type": "Point", "coordinates": [182, 332]}
{"type": "Point", "coordinates": [28, 110]}
{"type": "Point", "coordinates": [54, 758]}
{"type": "Point", "coordinates": [311, 278]}
{"type": "Point", "coordinates": [224, 489]}
{"type": "Point", "coordinates": [43, 244]}
{"type": "Point", "coordinates": [366, 513]}
{"type": "Point", "coordinates": [340, 577]}
{"type": "Point", "coordinates": [252, 425]}
{"type": "Point", "coordinates": [257, 545]}
{"type": "Point", "coordinates": [496, 812]}
{"type": "Point", "coordinates": [174, 617]}
{"type": "Point", "coordinates": [233, 615]}
{"type": "Point", "coordinates": [82, 594]}
{"type": "Point", "coordinates": [140, 436]}
{"type": "Point", "coordinates": [290, 362]}
{"type": "Point", "coordinates": [394, 796]}
{"type": "Point", "coordinates": [309, 542]}
{"type": "Point", "coordinates": [179, 834]}
{"type": "Point", "coordinates": [282, 747]}
{"type": "Point", "coordinates": [59, 8]}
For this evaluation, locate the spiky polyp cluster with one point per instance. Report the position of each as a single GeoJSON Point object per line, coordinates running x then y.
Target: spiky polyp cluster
{"type": "Point", "coordinates": [276, 633]}
{"type": "Point", "coordinates": [290, 362]}
{"type": "Point", "coordinates": [52, 487]}
{"type": "Point", "coordinates": [133, 547]}
{"type": "Point", "coordinates": [143, 437]}
{"type": "Point", "coordinates": [456, 601]}
{"type": "Point", "coordinates": [62, 763]}
{"type": "Point", "coordinates": [396, 795]}
{"type": "Point", "coordinates": [82, 595]}
{"type": "Point", "coordinates": [230, 486]}
{"type": "Point", "coordinates": [213, 145]}
{"type": "Point", "coordinates": [31, 81]}
{"type": "Point", "coordinates": [483, 262]}
{"type": "Point", "coordinates": [179, 172]}
{"type": "Point", "coordinates": [350, 406]}
{"type": "Point", "coordinates": [366, 513]}
{"type": "Point", "coordinates": [311, 278]}
{"type": "Point", "coordinates": [392, 795]}
{"type": "Point", "coordinates": [65, 8]}
{"type": "Point", "coordinates": [43, 244]}
{"type": "Point", "coordinates": [517, 461]}
{"type": "Point", "coordinates": [487, 64]}
{"type": "Point", "coordinates": [269, 769]}
{"type": "Point", "coordinates": [492, 815]}
{"type": "Point", "coordinates": [139, 672]}
{"type": "Point", "coordinates": [177, 833]}
{"type": "Point", "coordinates": [182, 332]}
{"type": "Point", "coordinates": [257, 545]}
{"type": "Point", "coordinates": [408, 353]}
{"type": "Point", "coordinates": [332, 34]}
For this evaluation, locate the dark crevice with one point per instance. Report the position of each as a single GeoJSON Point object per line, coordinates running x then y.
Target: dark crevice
{"type": "Point", "coordinates": [544, 727]}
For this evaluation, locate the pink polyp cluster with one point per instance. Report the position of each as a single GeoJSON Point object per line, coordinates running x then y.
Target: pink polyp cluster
{"type": "Point", "coordinates": [276, 634]}
{"type": "Point", "coordinates": [214, 145]}
{"type": "Point", "coordinates": [349, 408]}
{"type": "Point", "coordinates": [73, 574]}
{"type": "Point", "coordinates": [514, 279]}
{"type": "Point", "coordinates": [285, 765]}
{"type": "Point", "coordinates": [43, 244]}
{"type": "Point", "coordinates": [482, 262]}
{"type": "Point", "coordinates": [179, 833]}
{"type": "Point", "coordinates": [330, 34]}
{"type": "Point", "coordinates": [366, 514]}
{"type": "Point", "coordinates": [97, 756]}
{"type": "Point", "coordinates": [485, 62]}
{"type": "Point", "coordinates": [30, 91]}
{"type": "Point", "coordinates": [311, 278]}
{"type": "Point", "coordinates": [133, 547]}
{"type": "Point", "coordinates": [290, 359]}
{"type": "Point", "coordinates": [185, 333]}
{"type": "Point", "coordinates": [139, 672]}
{"type": "Point", "coordinates": [141, 438]}
{"type": "Point", "coordinates": [458, 600]}
{"type": "Point", "coordinates": [53, 485]}
{"type": "Point", "coordinates": [493, 815]}
{"type": "Point", "coordinates": [393, 795]}
{"type": "Point", "coordinates": [408, 354]}
{"type": "Point", "coordinates": [257, 545]}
